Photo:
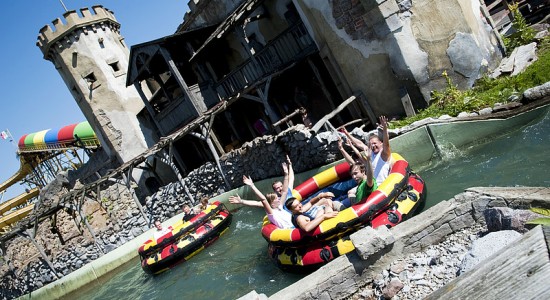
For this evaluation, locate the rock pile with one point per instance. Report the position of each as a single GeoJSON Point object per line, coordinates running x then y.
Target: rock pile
{"type": "Point", "coordinates": [418, 274]}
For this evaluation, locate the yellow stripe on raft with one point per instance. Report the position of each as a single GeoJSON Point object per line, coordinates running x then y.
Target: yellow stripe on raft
{"type": "Point", "coordinates": [408, 204]}
{"type": "Point", "coordinates": [281, 235]}
{"type": "Point", "coordinates": [285, 259]}
{"type": "Point", "coordinates": [389, 184]}
{"type": "Point", "coordinates": [326, 177]}
{"type": "Point", "coordinates": [345, 247]}
{"type": "Point", "coordinates": [343, 216]}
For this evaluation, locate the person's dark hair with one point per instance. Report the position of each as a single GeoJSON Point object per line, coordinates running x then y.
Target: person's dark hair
{"type": "Point", "coordinates": [359, 165]}
{"type": "Point", "coordinates": [288, 203]}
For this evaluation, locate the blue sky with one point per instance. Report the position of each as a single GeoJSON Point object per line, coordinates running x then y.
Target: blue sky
{"type": "Point", "coordinates": [34, 97]}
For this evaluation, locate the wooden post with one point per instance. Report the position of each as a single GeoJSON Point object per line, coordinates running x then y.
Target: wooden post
{"type": "Point", "coordinates": [168, 160]}
{"type": "Point", "coordinates": [83, 219]}
{"type": "Point", "coordinates": [287, 117]}
{"type": "Point", "coordinates": [132, 192]}
{"type": "Point", "coordinates": [26, 235]}
{"type": "Point", "coordinates": [264, 98]}
{"type": "Point", "coordinates": [198, 105]}
{"type": "Point", "coordinates": [206, 135]}
{"type": "Point", "coordinates": [327, 117]}
{"type": "Point", "coordinates": [149, 108]}
{"type": "Point", "coordinates": [406, 100]}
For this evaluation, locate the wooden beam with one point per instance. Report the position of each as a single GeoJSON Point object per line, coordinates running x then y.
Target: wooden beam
{"type": "Point", "coordinates": [129, 179]}
{"type": "Point", "coordinates": [42, 253]}
{"type": "Point", "coordinates": [406, 101]}
{"type": "Point", "coordinates": [330, 115]}
{"type": "Point", "coordinates": [286, 118]}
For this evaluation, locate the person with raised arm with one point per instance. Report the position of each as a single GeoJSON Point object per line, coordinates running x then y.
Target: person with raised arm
{"type": "Point", "coordinates": [381, 151]}
{"type": "Point", "coordinates": [271, 202]}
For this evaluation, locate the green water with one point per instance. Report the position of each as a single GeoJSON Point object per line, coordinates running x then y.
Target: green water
{"type": "Point", "coordinates": [238, 262]}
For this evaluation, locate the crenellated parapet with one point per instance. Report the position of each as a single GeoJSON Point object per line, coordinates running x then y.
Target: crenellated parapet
{"type": "Point", "coordinates": [98, 18]}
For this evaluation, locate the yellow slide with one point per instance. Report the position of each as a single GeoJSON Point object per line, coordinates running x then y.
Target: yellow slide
{"type": "Point", "coordinates": [15, 216]}
{"type": "Point", "coordinates": [21, 199]}
{"type": "Point", "coordinates": [19, 214]}
{"type": "Point", "coordinates": [24, 169]}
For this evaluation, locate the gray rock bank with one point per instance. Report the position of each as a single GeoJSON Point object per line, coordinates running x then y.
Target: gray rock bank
{"type": "Point", "coordinates": [367, 272]}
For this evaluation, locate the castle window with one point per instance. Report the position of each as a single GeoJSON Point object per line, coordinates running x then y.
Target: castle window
{"type": "Point", "coordinates": [91, 80]}
{"type": "Point", "coordinates": [115, 66]}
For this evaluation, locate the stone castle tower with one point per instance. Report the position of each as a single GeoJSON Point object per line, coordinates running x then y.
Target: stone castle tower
{"type": "Point", "coordinates": [90, 55]}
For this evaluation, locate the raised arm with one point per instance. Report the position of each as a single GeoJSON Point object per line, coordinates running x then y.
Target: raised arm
{"type": "Point", "coordinates": [308, 225]}
{"type": "Point", "coordinates": [346, 155]}
{"type": "Point", "coordinates": [267, 206]}
{"type": "Point", "coordinates": [355, 141]}
{"type": "Point", "coordinates": [364, 157]}
{"type": "Point", "coordinates": [386, 151]}
{"type": "Point", "coordinates": [290, 174]}
{"type": "Point", "coordinates": [237, 199]}
{"type": "Point", "coordinates": [286, 180]}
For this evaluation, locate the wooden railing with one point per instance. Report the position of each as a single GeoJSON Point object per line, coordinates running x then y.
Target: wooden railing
{"type": "Point", "coordinates": [290, 46]}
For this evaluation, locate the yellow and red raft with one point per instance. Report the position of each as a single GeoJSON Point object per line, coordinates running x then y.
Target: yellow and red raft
{"type": "Point", "coordinates": [186, 239]}
{"type": "Point", "coordinates": [392, 202]}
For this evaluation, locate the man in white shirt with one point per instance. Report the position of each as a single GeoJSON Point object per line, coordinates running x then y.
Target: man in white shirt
{"type": "Point", "coordinates": [161, 233]}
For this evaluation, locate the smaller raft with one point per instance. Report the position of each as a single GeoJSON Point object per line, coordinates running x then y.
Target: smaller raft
{"type": "Point", "coordinates": [185, 240]}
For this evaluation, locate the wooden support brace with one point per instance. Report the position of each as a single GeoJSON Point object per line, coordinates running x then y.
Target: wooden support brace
{"type": "Point", "coordinates": [26, 235]}
{"type": "Point", "coordinates": [128, 180]}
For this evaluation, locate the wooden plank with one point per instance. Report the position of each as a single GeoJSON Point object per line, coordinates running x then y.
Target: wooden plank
{"type": "Point", "coordinates": [521, 271]}
{"type": "Point", "coordinates": [406, 101]}
{"type": "Point", "coordinates": [546, 232]}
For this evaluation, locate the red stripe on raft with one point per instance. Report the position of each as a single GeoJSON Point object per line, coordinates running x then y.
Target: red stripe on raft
{"type": "Point", "coordinates": [400, 167]}
{"type": "Point", "coordinates": [342, 170]}
{"type": "Point", "coordinates": [375, 197]}
{"type": "Point", "coordinates": [416, 183]}
{"type": "Point", "coordinates": [313, 257]}
{"type": "Point", "coordinates": [308, 187]}
{"type": "Point", "coordinates": [268, 229]}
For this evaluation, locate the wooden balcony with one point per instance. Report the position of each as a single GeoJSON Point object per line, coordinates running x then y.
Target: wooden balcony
{"type": "Point", "coordinates": [292, 45]}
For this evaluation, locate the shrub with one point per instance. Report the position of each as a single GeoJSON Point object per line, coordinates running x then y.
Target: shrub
{"type": "Point", "coordinates": [523, 34]}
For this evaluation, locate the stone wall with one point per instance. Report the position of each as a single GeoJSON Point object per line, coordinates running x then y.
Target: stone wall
{"type": "Point", "coordinates": [399, 45]}
{"type": "Point", "coordinates": [113, 220]}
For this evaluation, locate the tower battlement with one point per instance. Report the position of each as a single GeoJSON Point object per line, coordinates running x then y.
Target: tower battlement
{"type": "Point", "coordinates": [47, 37]}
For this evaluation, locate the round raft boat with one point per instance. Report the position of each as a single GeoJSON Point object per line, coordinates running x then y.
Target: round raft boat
{"type": "Point", "coordinates": [392, 202]}
{"type": "Point", "coordinates": [185, 240]}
